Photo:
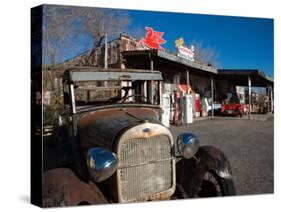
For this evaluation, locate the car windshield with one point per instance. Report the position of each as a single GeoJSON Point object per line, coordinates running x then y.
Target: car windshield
{"type": "Point", "coordinates": [234, 100]}
{"type": "Point", "coordinates": [118, 92]}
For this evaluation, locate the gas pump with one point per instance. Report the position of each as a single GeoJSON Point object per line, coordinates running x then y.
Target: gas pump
{"type": "Point", "coordinates": [177, 114]}
{"type": "Point", "coordinates": [166, 107]}
{"type": "Point", "coordinates": [187, 117]}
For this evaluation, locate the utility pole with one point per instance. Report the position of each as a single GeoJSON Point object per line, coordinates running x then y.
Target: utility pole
{"type": "Point", "coordinates": [105, 51]}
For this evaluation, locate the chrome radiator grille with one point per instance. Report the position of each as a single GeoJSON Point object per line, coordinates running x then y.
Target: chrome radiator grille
{"type": "Point", "coordinates": [147, 167]}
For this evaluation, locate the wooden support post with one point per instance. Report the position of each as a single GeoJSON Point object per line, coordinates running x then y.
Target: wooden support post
{"type": "Point", "coordinates": [105, 56]}
{"type": "Point", "coordinates": [271, 99]}
{"type": "Point", "coordinates": [149, 85]}
{"type": "Point", "coordinates": [187, 81]}
{"type": "Point", "coordinates": [160, 93]}
{"type": "Point", "coordinates": [105, 51]}
{"type": "Point", "coordinates": [151, 63]}
{"type": "Point", "coordinates": [267, 95]}
{"type": "Point", "coordinates": [250, 96]}
{"type": "Point", "coordinates": [212, 95]}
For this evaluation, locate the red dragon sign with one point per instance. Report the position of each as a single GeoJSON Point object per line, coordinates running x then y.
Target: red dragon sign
{"type": "Point", "coordinates": [153, 39]}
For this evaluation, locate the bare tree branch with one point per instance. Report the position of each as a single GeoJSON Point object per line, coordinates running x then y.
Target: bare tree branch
{"type": "Point", "coordinates": [207, 55]}
{"type": "Point", "coordinates": [63, 24]}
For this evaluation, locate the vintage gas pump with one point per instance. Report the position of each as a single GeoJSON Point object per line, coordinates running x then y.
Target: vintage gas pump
{"type": "Point", "coordinates": [187, 117]}
{"type": "Point", "coordinates": [197, 105]}
{"type": "Point", "coordinates": [166, 107]}
{"type": "Point", "coordinates": [177, 113]}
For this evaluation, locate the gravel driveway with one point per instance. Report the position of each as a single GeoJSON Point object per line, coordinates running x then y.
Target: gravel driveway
{"type": "Point", "coordinates": [248, 145]}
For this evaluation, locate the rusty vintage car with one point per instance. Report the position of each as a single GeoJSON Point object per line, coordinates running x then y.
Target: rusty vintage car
{"type": "Point", "coordinates": [112, 148]}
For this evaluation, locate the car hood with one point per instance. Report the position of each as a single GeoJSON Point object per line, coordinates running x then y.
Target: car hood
{"type": "Point", "coordinates": [232, 106]}
{"type": "Point", "coordinates": [101, 128]}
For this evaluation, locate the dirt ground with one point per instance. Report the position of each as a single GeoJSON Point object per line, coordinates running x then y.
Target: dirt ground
{"type": "Point", "coordinates": [247, 143]}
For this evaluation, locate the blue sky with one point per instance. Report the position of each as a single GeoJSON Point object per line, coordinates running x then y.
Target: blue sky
{"type": "Point", "coordinates": [240, 42]}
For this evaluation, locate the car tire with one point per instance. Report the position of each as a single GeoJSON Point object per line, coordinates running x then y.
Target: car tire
{"type": "Point", "coordinates": [214, 186]}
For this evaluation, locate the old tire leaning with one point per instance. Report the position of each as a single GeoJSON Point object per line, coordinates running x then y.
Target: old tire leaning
{"type": "Point", "coordinates": [215, 186]}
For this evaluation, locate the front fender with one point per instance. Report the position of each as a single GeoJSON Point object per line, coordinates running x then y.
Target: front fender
{"type": "Point", "coordinates": [61, 187]}
{"type": "Point", "coordinates": [190, 173]}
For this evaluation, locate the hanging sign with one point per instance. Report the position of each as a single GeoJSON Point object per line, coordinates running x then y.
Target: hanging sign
{"type": "Point", "coordinates": [153, 39]}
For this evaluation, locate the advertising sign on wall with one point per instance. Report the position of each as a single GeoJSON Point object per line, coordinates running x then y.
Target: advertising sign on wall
{"type": "Point", "coordinates": [179, 42]}
{"type": "Point", "coordinates": [153, 39]}
{"type": "Point", "coordinates": [185, 52]}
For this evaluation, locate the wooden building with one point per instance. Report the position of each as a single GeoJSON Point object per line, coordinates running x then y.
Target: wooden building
{"type": "Point", "coordinates": [179, 74]}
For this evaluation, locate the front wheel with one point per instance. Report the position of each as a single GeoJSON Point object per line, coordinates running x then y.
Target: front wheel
{"type": "Point", "coordinates": [214, 186]}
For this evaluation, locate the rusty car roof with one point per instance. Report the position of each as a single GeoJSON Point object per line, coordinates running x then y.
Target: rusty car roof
{"type": "Point", "coordinates": [93, 73]}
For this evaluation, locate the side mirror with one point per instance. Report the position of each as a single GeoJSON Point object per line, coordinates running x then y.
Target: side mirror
{"type": "Point", "coordinates": [101, 164]}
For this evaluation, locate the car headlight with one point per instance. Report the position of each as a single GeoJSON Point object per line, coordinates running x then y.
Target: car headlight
{"type": "Point", "coordinates": [101, 164]}
{"type": "Point", "coordinates": [188, 145]}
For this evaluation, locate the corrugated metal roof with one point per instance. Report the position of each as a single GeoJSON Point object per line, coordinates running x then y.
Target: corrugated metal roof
{"type": "Point", "coordinates": [173, 58]}
{"type": "Point", "coordinates": [183, 61]}
{"type": "Point", "coordinates": [245, 72]}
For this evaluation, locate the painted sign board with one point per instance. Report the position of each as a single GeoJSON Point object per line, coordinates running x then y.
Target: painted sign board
{"type": "Point", "coordinates": [179, 42]}
{"type": "Point", "coordinates": [185, 52]}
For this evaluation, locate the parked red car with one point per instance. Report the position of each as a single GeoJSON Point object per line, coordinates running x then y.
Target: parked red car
{"type": "Point", "coordinates": [235, 109]}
